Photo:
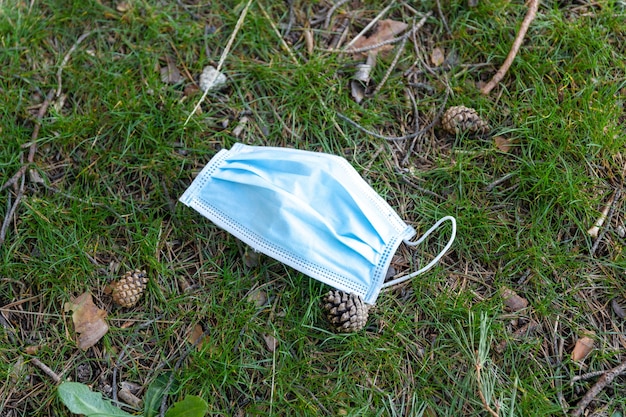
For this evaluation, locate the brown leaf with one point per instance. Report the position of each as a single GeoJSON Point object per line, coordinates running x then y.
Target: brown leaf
{"type": "Point", "coordinates": [503, 144]}
{"type": "Point", "coordinates": [385, 30]}
{"type": "Point", "coordinates": [583, 347]}
{"type": "Point", "coordinates": [512, 301]}
{"type": "Point", "coordinates": [196, 334]}
{"type": "Point", "coordinates": [88, 320]}
{"type": "Point", "coordinates": [170, 73]}
{"type": "Point", "coordinates": [122, 6]}
{"type": "Point", "coordinates": [618, 309]}
{"type": "Point", "coordinates": [437, 56]}
{"type": "Point", "coordinates": [258, 297]}
{"type": "Point", "coordinates": [270, 342]}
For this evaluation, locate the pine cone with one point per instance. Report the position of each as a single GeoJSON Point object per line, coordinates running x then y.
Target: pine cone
{"type": "Point", "coordinates": [128, 290]}
{"type": "Point", "coordinates": [346, 312]}
{"type": "Point", "coordinates": [461, 119]}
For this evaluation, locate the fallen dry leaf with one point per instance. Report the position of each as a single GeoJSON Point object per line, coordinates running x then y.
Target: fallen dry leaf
{"type": "Point", "coordinates": [583, 347]}
{"type": "Point", "coordinates": [196, 334]}
{"type": "Point", "coordinates": [512, 301]}
{"type": "Point", "coordinates": [258, 297]}
{"type": "Point", "coordinates": [385, 30]}
{"type": "Point", "coordinates": [503, 144]}
{"type": "Point", "coordinates": [437, 56]}
{"type": "Point", "coordinates": [170, 73]}
{"type": "Point", "coordinates": [270, 342]}
{"type": "Point", "coordinates": [88, 320]}
{"type": "Point", "coordinates": [122, 6]}
{"type": "Point", "coordinates": [618, 309]}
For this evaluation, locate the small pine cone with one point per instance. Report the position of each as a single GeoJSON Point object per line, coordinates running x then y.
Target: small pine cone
{"type": "Point", "coordinates": [127, 291]}
{"type": "Point", "coordinates": [461, 119]}
{"type": "Point", "coordinates": [346, 312]}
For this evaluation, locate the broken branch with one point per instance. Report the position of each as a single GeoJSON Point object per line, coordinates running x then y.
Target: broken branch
{"type": "Point", "coordinates": [530, 16]}
{"type": "Point", "coordinates": [604, 380]}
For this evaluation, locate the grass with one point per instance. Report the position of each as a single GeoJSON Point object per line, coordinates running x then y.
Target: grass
{"type": "Point", "coordinates": [114, 154]}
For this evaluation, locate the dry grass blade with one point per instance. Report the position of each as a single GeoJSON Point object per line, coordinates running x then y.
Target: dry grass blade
{"type": "Point", "coordinates": [225, 53]}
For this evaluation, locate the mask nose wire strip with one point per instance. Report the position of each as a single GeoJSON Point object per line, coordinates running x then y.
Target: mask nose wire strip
{"type": "Point", "coordinates": [434, 261]}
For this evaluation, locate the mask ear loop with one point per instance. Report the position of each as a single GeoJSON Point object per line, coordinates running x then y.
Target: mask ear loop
{"type": "Point", "coordinates": [434, 261]}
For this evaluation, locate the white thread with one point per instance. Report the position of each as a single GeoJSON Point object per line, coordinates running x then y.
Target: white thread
{"type": "Point", "coordinates": [434, 261]}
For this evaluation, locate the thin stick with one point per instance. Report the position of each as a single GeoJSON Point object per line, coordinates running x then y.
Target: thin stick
{"type": "Point", "coordinates": [66, 58]}
{"type": "Point", "coordinates": [375, 46]}
{"type": "Point", "coordinates": [604, 380]}
{"type": "Point", "coordinates": [332, 11]}
{"type": "Point", "coordinates": [369, 26]}
{"type": "Point", "coordinates": [530, 16]}
{"type": "Point", "coordinates": [53, 375]}
{"type": "Point", "coordinates": [15, 178]}
{"type": "Point", "coordinates": [422, 190]}
{"type": "Point", "coordinates": [33, 137]}
{"type": "Point", "coordinates": [400, 49]}
{"type": "Point", "coordinates": [586, 376]}
{"type": "Point", "coordinates": [499, 181]}
{"type": "Point", "coordinates": [222, 59]}
{"type": "Point", "coordinates": [11, 212]}
{"type": "Point", "coordinates": [399, 138]}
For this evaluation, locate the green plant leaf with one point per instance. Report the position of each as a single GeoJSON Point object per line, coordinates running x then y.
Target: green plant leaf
{"type": "Point", "coordinates": [155, 393]}
{"type": "Point", "coordinates": [81, 400]}
{"type": "Point", "coordinates": [191, 406]}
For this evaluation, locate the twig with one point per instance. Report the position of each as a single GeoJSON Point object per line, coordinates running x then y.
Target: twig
{"type": "Point", "coordinates": [499, 181]}
{"type": "Point", "coordinates": [8, 329]}
{"type": "Point", "coordinates": [332, 11]}
{"type": "Point", "coordinates": [422, 190]}
{"type": "Point", "coordinates": [443, 18]}
{"type": "Point", "coordinates": [586, 376]}
{"type": "Point", "coordinates": [400, 49]}
{"type": "Point", "coordinates": [66, 58]}
{"type": "Point", "coordinates": [222, 59]}
{"type": "Point", "coordinates": [15, 178]}
{"type": "Point", "coordinates": [369, 26]}
{"type": "Point", "coordinates": [416, 120]}
{"type": "Point", "coordinates": [53, 375]}
{"type": "Point", "coordinates": [399, 138]}
{"type": "Point", "coordinates": [530, 16]}
{"type": "Point", "coordinates": [609, 216]}
{"type": "Point", "coordinates": [604, 380]}
{"type": "Point", "coordinates": [375, 46]}
{"type": "Point", "coordinates": [11, 212]}
{"type": "Point", "coordinates": [20, 173]}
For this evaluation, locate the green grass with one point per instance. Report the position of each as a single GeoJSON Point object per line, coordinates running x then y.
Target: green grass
{"type": "Point", "coordinates": [115, 155]}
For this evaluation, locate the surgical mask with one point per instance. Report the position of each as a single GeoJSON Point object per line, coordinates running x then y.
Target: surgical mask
{"type": "Point", "coordinates": [309, 210]}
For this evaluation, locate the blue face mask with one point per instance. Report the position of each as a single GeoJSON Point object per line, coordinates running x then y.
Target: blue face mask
{"type": "Point", "coordinates": [309, 210]}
